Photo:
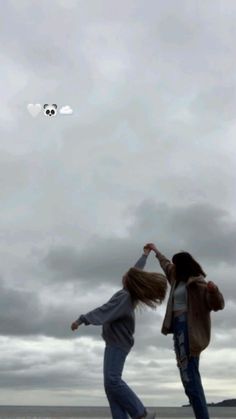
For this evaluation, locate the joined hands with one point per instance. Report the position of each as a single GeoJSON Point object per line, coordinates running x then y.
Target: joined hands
{"type": "Point", "coordinates": [211, 287]}
{"type": "Point", "coordinates": [148, 247]}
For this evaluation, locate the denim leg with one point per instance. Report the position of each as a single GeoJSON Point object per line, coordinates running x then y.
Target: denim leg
{"type": "Point", "coordinates": [196, 393]}
{"type": "Point", "coordinates": [117, 410]}
{"type": "Point", "coordinates": [122, 399]}
{"type": "Point", "coordinates": [189, 368]}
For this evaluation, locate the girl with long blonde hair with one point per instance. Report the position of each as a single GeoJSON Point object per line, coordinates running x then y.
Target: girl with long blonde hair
{"type": "Point", "coordinates": [117, 318]}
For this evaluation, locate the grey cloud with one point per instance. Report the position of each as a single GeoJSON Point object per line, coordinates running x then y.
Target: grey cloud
{"type": "Point", "coordinates": [68, 263]}
{"type": "Point", "coordinates": [25, 313]}
{"type": "Point", "coordinates": [215, 102]}
{"type": "Point", "coordinates": [202, 229]}
{"type": "Point", "coordinates": [18, 311]}
{"type": "Point", "coordinates": [14, 174]}
{"type": "Point", "coordinates": [103, 263]}
{"type": "Point", "coordinates": [77, 368]}
{"type": "Point", "coordinates": [28, 368]}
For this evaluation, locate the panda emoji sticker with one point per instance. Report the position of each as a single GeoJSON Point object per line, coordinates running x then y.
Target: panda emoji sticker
{"type": "Point", "coordinates": [50, 110]}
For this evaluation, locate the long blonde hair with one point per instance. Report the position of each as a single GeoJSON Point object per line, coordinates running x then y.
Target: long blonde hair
{"type": "Point", "coordinates": [148, 288]}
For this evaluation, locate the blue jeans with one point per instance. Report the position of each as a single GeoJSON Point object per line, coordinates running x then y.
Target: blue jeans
{"type": "Point", "coordinates": [122, 399]}
{"type": "Point", "coordinates": [189, 368]}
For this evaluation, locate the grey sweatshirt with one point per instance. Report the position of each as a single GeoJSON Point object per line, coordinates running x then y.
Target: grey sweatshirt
{"type": "Point", "coordinates": [117, 316]}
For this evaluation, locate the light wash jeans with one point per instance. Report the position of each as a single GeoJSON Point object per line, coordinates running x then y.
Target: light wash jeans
{"type": "Point", "coordinates": [122, 399]}
{"type": "Point", "coordinates": [189, 368]}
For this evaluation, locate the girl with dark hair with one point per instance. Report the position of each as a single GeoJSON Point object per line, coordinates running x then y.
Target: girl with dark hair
{"type": "Point", "coordinates": [187, 316]}
{"type": "Point", "coordinates": [118, 320]}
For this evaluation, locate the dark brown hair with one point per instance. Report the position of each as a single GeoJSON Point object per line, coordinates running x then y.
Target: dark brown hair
{"type": "Point", "coordinates": [148, 288]}
{"type": "Point", "coordinates": [186, 266]}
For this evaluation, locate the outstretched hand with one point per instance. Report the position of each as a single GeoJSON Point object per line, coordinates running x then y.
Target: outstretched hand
{"type": "Point", "coordinates": [74, 326]}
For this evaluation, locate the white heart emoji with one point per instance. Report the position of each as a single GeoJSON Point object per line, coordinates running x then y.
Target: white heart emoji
{"type": "Point", "coordinates": [34, 110]}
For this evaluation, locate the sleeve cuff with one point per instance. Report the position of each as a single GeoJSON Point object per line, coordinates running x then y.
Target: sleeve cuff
{"type": "Point", "coordinates": [82, 320]}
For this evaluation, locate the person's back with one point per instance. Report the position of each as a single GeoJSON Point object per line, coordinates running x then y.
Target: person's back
{"type": "Point", "coordinates": [120, 332]}
{"type": "Point", "coordinates": [118, 326]}
{"type": "Point", "coordinates": [117, 319]}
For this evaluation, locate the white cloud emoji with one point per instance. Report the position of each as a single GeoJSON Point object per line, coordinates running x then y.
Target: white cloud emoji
{"type": "Point", "coordinates": [66, 110]}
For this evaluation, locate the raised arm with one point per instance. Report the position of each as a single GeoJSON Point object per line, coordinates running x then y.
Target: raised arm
{"type": "Point", "coordinates": [141, 262]}
{"type": "Point", "coordinates": [165, 263]}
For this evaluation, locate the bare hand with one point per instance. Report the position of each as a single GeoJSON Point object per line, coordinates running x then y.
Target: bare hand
{"type": "Point", "coordinates": [146, 250]}
{"type": "Point", "coordinates": [74, 325]}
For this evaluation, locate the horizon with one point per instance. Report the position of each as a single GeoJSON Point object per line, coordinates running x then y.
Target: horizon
{"type": "Point", "coordinates": [102, 405]}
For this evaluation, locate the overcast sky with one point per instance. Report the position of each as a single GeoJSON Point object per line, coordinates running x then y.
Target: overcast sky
{"type": "Point", "coordinates": [147, 156]}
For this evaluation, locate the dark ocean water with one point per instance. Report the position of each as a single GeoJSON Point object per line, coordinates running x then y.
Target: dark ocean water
{"type": "Point", "coordinates": [36, 412]}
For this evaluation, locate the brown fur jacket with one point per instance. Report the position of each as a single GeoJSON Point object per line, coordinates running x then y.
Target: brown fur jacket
{"type": "Point", "coordinates": [200, 303]}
